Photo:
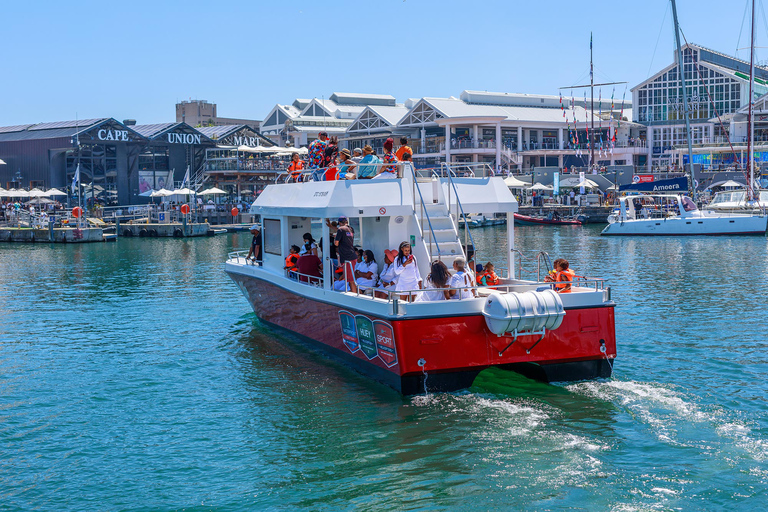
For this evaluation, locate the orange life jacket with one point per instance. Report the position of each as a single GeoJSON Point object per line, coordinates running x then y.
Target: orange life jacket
{"type": "Point", "coordinates": [565, 277]}
{"type": "Point", "coordinates": [490, 278]}
{"type": "Point", "coordinates": [295, 168]}
{"type": "Point", "coordinates": [291, 261]}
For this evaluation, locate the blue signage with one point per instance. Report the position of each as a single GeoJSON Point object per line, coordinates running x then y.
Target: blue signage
{"type": "Point", "coordinates": [672, 185]}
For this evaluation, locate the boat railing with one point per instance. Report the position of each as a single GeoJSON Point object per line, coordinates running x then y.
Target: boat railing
{"type": "Point", "coordinates": [318, 174]}
{"type": "Point", "coordinates": [424, 213]}
{"type": "Point", "coordinates": [540, 256]}
{"type": "Point", "coordinates": [451, 173]}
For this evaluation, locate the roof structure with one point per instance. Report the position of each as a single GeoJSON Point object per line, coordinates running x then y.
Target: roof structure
{"type": "Point", "coordinates": [361, 99]}
{"type": "Point", "coordinates": [376, 118]}
{"type": "Point", "coordinates": [15, 128]}
{"type": "Point", "coordinates": [60, 129]}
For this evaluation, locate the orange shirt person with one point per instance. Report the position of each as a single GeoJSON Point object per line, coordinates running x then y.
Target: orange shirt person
{"type": "Point", "coordinates": [296, 167]}
{"type": "Point", "coordinates": [404, 148]}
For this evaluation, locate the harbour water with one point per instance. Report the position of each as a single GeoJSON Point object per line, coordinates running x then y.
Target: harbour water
{"type": "Point", "coordinates": [134, 376]}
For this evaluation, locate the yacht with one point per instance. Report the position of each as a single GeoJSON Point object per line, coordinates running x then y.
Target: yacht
{"type": "Point", "coordinates": [677, 215]}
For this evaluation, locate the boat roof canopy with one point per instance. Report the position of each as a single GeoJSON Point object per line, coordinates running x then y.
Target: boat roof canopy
{"type": "Point", "coordinates": [375, 198]}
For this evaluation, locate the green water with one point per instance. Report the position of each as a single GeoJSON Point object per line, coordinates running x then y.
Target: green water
{"type": "Point", "coordinates": [134, 376]}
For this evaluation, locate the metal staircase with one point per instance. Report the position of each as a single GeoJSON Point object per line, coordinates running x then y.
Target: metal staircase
{"type": "Point", "coordinates": [443, 234]}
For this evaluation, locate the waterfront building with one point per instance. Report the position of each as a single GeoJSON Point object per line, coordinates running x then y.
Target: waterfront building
{"type": "Point", "coordinates": [299, 123]}
{"type": "Point", "coordinates": [507, 131]}
{"type": "Point", "coordinates": [200, 113]}
{"type": "Point", "coordinates": [121, 162]}
{"type": "Point", "coordinates": [717, 87]}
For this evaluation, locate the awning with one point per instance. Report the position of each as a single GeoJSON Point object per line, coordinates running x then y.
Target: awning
{"type": "Point", "coordinates": [54, 192]}
{"type": "Point", "coordinates": [212, 190]}
{"type": "Point", "coordinates": [513, 182]}
{"type": "Point", "coordinates": [575, 182]}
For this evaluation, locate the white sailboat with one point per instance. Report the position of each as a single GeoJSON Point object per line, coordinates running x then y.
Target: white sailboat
{"type": "Point", "coordinates": [677, 214]}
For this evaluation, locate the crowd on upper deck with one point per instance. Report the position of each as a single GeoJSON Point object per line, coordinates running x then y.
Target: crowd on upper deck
{"type": "Point", "coordinates": [327, 162]}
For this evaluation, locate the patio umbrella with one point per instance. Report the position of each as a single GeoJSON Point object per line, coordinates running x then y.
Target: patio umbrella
{"type": "Point", "coordinates": [147, 193]}
{"type": "Point", "coordinates": [732, 184]}
{"type": "Point", "coordinates": [18, 193]}
{"type": "Point", "coordinates": [513, 182]}
{"type": "Point", "coordinates": [161, 193]}
{"type": "Point", "coordinates": [36, 192]}
{"type": "Point", "coordinates": [539, 186]}
{"type": "Point", "coordinates": [54, 192]}
{"type": "Point", "coordinates": [182, 192]}
{"type": "Point", "coordinates": [210, 191]}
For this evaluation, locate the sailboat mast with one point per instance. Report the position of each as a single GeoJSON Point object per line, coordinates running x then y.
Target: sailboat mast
{"type": "Point", "coordinates": [592, 107]}
{"type": "Point", "coordinates": [750, 120]}
{"type": "Point", "coordinates": [691, 189]}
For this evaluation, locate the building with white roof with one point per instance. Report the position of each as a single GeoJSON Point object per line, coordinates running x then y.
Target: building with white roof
{"type": "Point", "coordinates": [512, 131]}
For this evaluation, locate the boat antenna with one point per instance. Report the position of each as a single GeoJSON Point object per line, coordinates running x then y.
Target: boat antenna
{"type": "Point", "coordinates": [750, 121]}
{"type": "Point", "coordinates": [592, 85]}
{"type": "Point", "coordinates": [691, 189]}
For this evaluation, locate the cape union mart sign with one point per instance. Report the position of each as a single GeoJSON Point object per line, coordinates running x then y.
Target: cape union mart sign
{"type": "Point", "coordinates": [116, 135]}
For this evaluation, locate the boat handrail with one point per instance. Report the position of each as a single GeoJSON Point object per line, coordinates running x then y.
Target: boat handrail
{"type": "Point", "coordinates": [424, 212]}
{"type": "Point", "coordinates": [467, 231]}
{"type": "Point", "coordinates": [540, 255]}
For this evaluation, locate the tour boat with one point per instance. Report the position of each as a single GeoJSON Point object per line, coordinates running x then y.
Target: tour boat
{"type": "Point", "coordinates": [520, 325]}
{"type": "Point", "coordinates": [552, 219]}
{"type": "Point", "coordinates": [677, 215]}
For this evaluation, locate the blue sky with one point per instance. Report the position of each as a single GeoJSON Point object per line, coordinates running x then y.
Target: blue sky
{"type": "Point", "coordinates": [135, 59]}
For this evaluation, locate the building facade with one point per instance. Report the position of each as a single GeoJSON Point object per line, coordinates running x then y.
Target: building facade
{"type": "Point", "coordinates": [199, 113]}
{"type": "Point", "coordinates": [717, 87]}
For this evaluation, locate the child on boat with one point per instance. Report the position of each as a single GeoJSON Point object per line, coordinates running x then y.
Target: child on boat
{"type": "Point", "coordinates": [488, 277]}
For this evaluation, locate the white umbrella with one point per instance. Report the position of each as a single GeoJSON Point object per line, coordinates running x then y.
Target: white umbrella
{"type": "Point", "coordinates": [18, 193]}
{"type": "Point", "coordinates": [147, 193]}
{"type": "Point", "coordinates": [54, 192]}
{"type": "Point", "coordinates": [2, 162]}
{"type": "Point", "coordinates": [161, 193]}
{"type": "Point", "coordinates": [3, 192]}
{"type": "Point", "coordinates": [539, 186]}
{"type": "Point", "coordinates": [732, 184]}
{"type": "Point", "coordinates": [182, 192]}
{"type": "Point", "coordinates": [513, 182]}
{"type": "Point", "coordinates": [36, 192]}
{"type": "Point", "coordinates": [212, 190]}
{"type": "Point", "coordinates": [575, 182]}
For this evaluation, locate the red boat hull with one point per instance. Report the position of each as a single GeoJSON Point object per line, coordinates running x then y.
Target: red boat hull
{"type": "Point", "coordinates": [527, 220]}
{"type": "Point", "coordinates": [452, 350]}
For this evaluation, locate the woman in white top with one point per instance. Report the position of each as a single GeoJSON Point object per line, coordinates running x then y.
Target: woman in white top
{"type": "Point", "coordinates": [407, 272]}
{"type": "Point", "coordinates": [387, 278]}
{"type": "Point", "coordinates": [309, 246]}
{"type": "Point", "coordinates": [366, 271]}
{"type": "Point", "coordinates": [461, 281]}
{"type": "Point", "coordinates": [436, 287]}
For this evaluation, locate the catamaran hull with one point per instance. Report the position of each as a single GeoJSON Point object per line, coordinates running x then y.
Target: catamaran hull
{"type": "Point", "coordinates": [676, 226]}
{"type": "Point", "coordinates": [448, 351]}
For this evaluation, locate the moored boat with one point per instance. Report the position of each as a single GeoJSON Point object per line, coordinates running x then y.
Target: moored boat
{"type": "Point", "coordinates": [553, 219]}
{"type": "Point", "coordinates": [521, 325]}
{"type": "Point", "coordinates": [677, 215]}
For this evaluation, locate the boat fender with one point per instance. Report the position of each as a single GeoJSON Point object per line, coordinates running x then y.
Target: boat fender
{"type": "Point", "coordinates": [153, 233]}
{"type": "Point", "coordinates": [127, 233]}
{"type": "Point", "coordinates": [178, 233]}
{"type": "Point", "coordinates": [523, 312]}
{"type": "Point", "coordinates": [143, 232]}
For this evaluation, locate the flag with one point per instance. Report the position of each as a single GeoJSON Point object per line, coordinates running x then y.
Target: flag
{"type": "Point", "coordinates": [76, 180]}
{"type": "Point", "coordinates": [185, 183]}
{"type": "Point", "coordinates": [169, 183]}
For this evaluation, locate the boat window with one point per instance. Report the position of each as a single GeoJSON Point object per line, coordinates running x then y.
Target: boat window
{"type": "Point", "coordinates": [688, 204]}
{"type": "Point", "coordinates": [272, 236]}
{"type": "Point", "coordinates": [764, 196]}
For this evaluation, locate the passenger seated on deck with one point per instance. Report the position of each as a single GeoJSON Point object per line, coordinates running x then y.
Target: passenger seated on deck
{"type": "Point", "coordinates": [564, 277]}
{"type": "Point", "coordinates": [387, 278]}
{"type": "Point", "coordinates": [310, 269]}
{"type": "Point", "coordinates": [309, 245]}
{"type": "Point", "coordinates": [488, 277]}
{"type": "Point", "coordinates": [436, 287]}
{"type": "Point", "coordinates": [366, 172]}
{"type": "Point", "coordinates": [461, 281]}
{"type": "Point", "coordinates": [340, 285]}
{"type": "Point", "coordinates": [291, 261]}
{"type": "Point", "coordinates": [366, 271]}
{"type": "Point", "coordinates": [550, 277]}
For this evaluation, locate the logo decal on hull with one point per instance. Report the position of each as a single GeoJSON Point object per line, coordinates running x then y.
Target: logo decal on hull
{"type": "Point", "coordinates": [349, 331]}
{"type": "Point", "coordinates": [385, 342]}
{"type": "Point", "coordinates": [375, 338]}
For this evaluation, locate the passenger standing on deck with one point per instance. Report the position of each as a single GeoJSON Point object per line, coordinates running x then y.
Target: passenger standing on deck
{"type": "Point", "coordinates": [254, 253]}
{"type": "Point", "coordinates": [403, 149]}
{"type": "Point", "coordinates": [407, 272]}
{"type": "Point", "coordinates": [332, 227]}
{"type": "Point", "coordinates": [296, 167]}
{"type": "Point", "coordinates": [345, 248]}
{"type": "Point", "coordinates": [316, 153]}
{"type": "Point", "coordinates": [461, 281]}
